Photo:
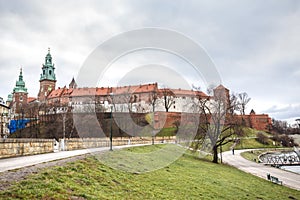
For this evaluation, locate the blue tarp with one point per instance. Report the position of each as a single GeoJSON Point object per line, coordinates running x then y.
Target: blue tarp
{"type": "Point", "coordinates": [17, 124]}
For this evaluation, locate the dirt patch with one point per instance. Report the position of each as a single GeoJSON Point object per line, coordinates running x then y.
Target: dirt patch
{"type": "Point", "coordinates": [7, 178]}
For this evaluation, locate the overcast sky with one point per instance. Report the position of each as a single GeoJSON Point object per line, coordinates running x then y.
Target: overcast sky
{"type": "Point", "coordinates": [254, 44]}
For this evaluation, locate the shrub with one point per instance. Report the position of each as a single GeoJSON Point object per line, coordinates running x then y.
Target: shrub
{"type": "Point", "coordinates": [262, 138]}
{"type": "Point", "coordinates": [287, 141]}
{"type": "Point", "coordinates": [284, 140]}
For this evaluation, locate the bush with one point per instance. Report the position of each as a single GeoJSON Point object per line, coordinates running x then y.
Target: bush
{"type": "Point", "coordinates": [262, 138]}
{"type": "Point", "coordinates": [284, 140]}
{"type": "Point", "coordinates": [287, 141]}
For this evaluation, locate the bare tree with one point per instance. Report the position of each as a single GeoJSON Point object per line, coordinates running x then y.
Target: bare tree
{"type": "Point", "coordinates": [153, 100]}
{"type": "Point", "coordinates": [234, 103]}
{"type": "Point", "coordinates": [218, 123]}
{"type": "Point", "coordinates": [168, 98]}
{"type": "Point", "coordinates": [243, 101]}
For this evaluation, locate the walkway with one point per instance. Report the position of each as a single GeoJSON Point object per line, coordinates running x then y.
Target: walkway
{"type": "Point", "coordinates": [289, 179]}
{"type": "Point", "coordinates": [25, 161]}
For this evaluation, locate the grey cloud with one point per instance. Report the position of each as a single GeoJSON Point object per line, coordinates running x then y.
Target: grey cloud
{"type": "Point", "coordinates": [255, 44]}
{"type": "Point", "coordinates": [285, 112]}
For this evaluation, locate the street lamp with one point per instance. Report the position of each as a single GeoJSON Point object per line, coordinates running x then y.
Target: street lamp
{"type": "Point", "coordinates": [110, 136]}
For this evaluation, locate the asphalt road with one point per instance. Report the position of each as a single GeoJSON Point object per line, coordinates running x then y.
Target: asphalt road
{"type": "Point", "coordinates": [288, 179]}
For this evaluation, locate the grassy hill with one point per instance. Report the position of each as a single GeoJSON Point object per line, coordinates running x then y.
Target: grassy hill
{"type": "Point", "coordinates": [187, 178]}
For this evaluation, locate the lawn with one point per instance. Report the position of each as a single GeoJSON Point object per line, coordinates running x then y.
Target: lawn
{"type": "Point", "coordinates": [187, 178]}
{"type": "Point", "coordinates": [252, 155]}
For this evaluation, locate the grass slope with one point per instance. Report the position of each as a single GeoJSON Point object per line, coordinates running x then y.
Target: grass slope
{"type": "Point", "coordinates": [186, 178]}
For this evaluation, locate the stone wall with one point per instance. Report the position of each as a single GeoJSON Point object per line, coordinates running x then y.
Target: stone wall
{"type": "Point", "coordinates": [83, 143]}
{"type": "Point", "coordinates": [11, 147]}
{"type": "Point", "coordinates": [21, 146]}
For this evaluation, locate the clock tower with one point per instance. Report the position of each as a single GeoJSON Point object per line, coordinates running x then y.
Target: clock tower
{"type": "Point", "coordinates": [47, 79]}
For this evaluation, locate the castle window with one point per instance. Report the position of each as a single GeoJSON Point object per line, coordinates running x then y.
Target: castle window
{"type": "Point", "coordinates": [50, 72]}
{"type": "Point", "coordinates": [43, 72]}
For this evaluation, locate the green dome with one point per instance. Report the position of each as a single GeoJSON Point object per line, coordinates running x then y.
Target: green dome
{"type": "Point", "coordinates": [9, 98]}
{"type": "Point", "coordinates": [20, 84]}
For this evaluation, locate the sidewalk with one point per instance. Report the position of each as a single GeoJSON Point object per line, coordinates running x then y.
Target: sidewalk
{"type": "Point", "coordinates": [288, 179]}
{"type": "Point", "coordinates": [25, 161]}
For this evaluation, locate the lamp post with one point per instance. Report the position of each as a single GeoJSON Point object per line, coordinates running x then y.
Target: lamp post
{"type": "Point", "coordinates": [22, 122]}
{"type": "Point", "coordinates": [1, 128]}
{"type": "Point", "coordinates": [110, 136]}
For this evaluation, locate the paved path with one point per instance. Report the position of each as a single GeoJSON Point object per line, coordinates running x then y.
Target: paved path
{"type": "Point", "coordinates": [289, 179]}
{"type": "Point", "coordinates": [25, 161]}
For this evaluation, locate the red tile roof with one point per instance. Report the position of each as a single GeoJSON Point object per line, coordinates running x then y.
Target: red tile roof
{"type": "Point", "coordinates": [181, 92]}
{"type": "Point", "coordinates": [134, 89]}
{"type": "Point", "coordinates": [56, 93]}
{"type": "Point", "coordinates": [119, 90]}
{"type": "Point", "coordinates": [221, 87]}
{"type": "Point", "coordinates": [30, 99]}
{"type": "Point", "coordinates": [79, 92]}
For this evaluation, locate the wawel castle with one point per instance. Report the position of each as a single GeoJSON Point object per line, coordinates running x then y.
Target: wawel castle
{"type": "Point", "coordinates": [142, 98]}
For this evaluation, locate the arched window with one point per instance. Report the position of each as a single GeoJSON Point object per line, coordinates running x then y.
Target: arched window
{"type": "Point", "coordinates": [50, 72]}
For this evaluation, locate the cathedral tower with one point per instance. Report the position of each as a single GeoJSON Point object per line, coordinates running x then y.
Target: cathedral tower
{"type": "Point", "coordinates": [19, 96]}
{"type": "Point", "coordinates": [47, 79]}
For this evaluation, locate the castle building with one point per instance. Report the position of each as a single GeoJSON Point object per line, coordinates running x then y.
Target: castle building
{"type": "Point", "coordinates": [257, 121]}
{"type": "Point", "coordinates": [143, 98]}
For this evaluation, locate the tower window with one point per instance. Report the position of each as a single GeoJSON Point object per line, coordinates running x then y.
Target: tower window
{"type": "Point", "coordinates": [43, 72]}
{"type": "Point", "coordinates": [50, 72]}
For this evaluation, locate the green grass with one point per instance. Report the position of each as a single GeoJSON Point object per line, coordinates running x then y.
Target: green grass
{"type": "Point", "coordinates": [252, 155]}
{"type": "Point", "coordinates": [247, 142]}
{"type": "Point", "coordinates": [187, 178]}
{"type": "Point", "coordinates": [171, 131]}
{"type": "Point", "coordinates": [250, 143]}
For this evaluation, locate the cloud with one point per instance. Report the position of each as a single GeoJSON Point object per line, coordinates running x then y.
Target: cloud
{"type": "Point", "coordinates": [254, 44]}
{"type": "Point", "coordinates": [284, 111]}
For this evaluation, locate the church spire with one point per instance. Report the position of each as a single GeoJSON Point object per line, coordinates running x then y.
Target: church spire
{"type": "Point", "coordinates": [47, 79]}
{"type": "Point", "coordinates": [21, 75]}
{"type": "Point", "coordinates": [20, 84]}
{"type": "Point", "coordinates": [48, 68]}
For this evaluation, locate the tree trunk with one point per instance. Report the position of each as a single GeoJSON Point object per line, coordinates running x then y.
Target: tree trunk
{"type": "Point", "coordinates": [215, 154]}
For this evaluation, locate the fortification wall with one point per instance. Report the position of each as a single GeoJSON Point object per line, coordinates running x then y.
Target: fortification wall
{"type": "Point", "coordinates": [11, 147]}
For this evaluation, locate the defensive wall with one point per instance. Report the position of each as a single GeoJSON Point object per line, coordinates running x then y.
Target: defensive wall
{"type": "Point", "coordinates": [12, 147]}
